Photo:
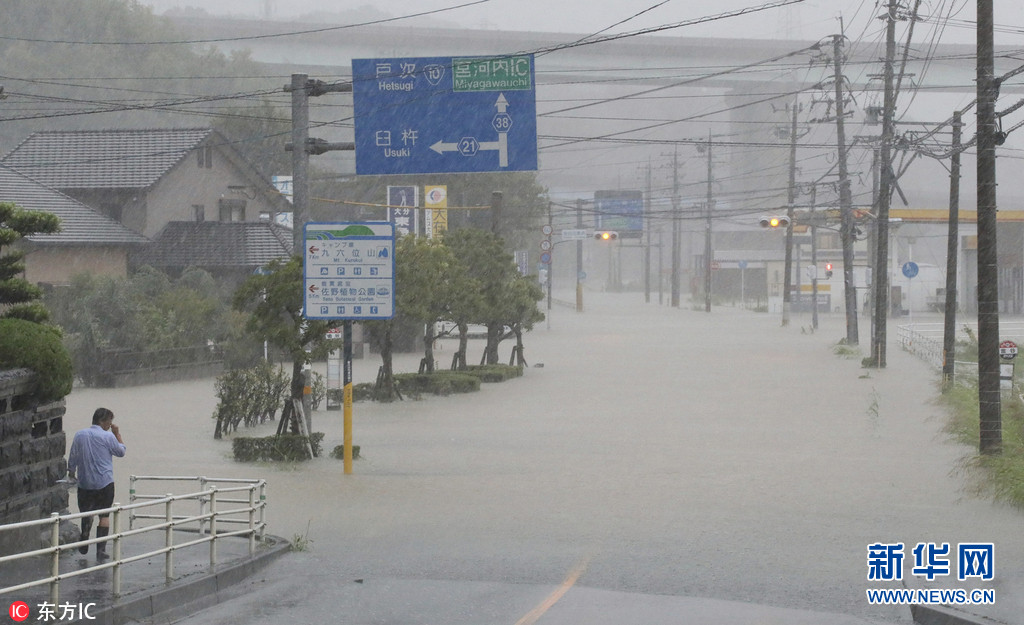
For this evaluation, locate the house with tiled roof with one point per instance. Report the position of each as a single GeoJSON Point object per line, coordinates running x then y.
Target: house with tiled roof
{"type": "Point", "coordinates": [148, 178]}
{"type": "Point", "coordinates": [227, 250]}
{"type": "Point", "coordinates": [87, 241]}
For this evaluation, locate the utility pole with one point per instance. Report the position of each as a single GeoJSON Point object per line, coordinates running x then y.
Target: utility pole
{"type": "Point", "coordinates": [647, 233]}
{"type": "Point", "coordinates": [301, 146]}
{"type": "Point", "coordinates": [845, 200]}
{"type": "Point", "coordinates": [952, 253]}
{"type": "Point", "coordinates": [787, 285]}
{"type": "Point", "coordinates": [579, 257]}
{"type": "Point", "coordinates": [814, 258]}
{"type": "Point", "coordinates": [675, 229]}
{"type": "Point", "coordinates": [880, 274]}
{"type": "Point", "coordinates": [989, 407]}
{"type": "Point", "coordinates": [708, 251]}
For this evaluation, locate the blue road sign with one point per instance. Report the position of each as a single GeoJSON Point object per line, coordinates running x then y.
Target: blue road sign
{"type": "Point", "coordinates": [910, 269]}
{"type": "Point", "coordinates": [622, 211]}
{"type": "Point", "coordinates": [349, 270]}
{"type": "Point", "coordinates": [432, 115]}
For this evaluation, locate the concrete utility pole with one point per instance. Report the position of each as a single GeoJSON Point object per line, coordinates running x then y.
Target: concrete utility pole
{"type": "Point", "coordinates": [880, 274]}
{"type": "Point", "coordinates": [709, 252]}
{"type": "Point", "coordinates": [787, 284]}
{"type": "Point", "coordinates": [989, 407]}
{"type": "Point", "coordinates": [845, 200]}
{"type": "Point", "coordinates": [301, 146]}
{"type": "Point", "coordinates": [952, 252]}
{"type": "Point", "coordinates": [579, 258]}
{"type": "Point", "coordinates": [647, 234]}
{"type": "Point", "coordinates": [675, 230]}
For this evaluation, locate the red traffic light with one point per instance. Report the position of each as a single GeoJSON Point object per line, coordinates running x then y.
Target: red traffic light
{"type": "Point", "coordinates": [606, 235]}
{"type": "Point", "coordinates": [828, 270]}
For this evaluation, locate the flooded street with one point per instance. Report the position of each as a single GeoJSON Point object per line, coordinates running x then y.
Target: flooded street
{"type": "Point", "coordinates": [657, 451]}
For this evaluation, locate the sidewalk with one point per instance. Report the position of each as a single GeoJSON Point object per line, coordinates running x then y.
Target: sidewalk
{"type": "Point", "coordinates": [145, 592]}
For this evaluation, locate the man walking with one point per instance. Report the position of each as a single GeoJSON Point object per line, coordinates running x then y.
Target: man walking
{"type": "Point", "coordinates": [91, 459]}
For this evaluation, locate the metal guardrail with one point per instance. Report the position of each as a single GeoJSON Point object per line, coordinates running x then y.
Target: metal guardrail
{"type": "Point", "coordinates": [925, 340]}
{"type": "Point", "coordinates": [251, 514]}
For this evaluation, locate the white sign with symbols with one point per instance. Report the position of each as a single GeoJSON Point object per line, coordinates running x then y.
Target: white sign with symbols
{"type": "Point", "coordinates": [574, 235]}
{"type": "Point", "coordinates": [349, 270]}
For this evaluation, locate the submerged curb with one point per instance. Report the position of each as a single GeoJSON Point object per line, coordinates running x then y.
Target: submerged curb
{"type": "Point", "coordinates": [191, 593]}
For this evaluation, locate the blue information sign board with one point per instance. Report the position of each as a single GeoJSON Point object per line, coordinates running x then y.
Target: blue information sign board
{"type": "Point", "coordinates": [430, 115]}
{"type": "Point", "coordinates": [622, 211]}
{"type": "Point", "coordinates": [349, 271]}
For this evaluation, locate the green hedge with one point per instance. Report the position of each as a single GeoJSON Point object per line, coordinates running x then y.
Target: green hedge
{"type": "Point", "coordinates": [284, 447]}
{"type": "Point", "coordinates": [494, 373]}
{"type": "Point", "coordinates": [35, 346]}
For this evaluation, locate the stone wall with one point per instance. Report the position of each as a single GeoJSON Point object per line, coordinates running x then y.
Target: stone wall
{"type": "Point", "coordinates": [32, 445]}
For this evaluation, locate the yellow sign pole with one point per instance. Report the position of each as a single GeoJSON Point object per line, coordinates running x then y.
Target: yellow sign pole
{"type": "Point", "coordinates": [347, 394]}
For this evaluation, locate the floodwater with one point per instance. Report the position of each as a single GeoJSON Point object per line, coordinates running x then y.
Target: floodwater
{"type": "Point", "coordinates": [657, 451]}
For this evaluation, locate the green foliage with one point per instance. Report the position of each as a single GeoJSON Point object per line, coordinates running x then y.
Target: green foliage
{"type": "Point", "coordinates": [286, 447]}
{"type": "Point", "coordinates": [494, 373]}
{"type": "Point", "coordinates": [339, 452]}
{"type": "Point", "coordinates": [75, 74]}
{"type": "Point", "coordinates": [142, 313]}
{"type": "Point", "coordinates": [249, 396]}
{"type": "Point", "coordinates": [437, 383]}
{"type": "Point", "coordinates": [24, 344]}
{"type": "Point", "coordinates": [17, 295]}
{"type": "Point", "coordinates": [999, 476]}
{"type": "Point", "coordinates": [273, 301]}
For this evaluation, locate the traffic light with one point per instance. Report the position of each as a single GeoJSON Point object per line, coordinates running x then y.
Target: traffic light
{"type": "Point", "coordinates": [606, 235]}
{"type": "Point", "coordinates": [828, 270]}
{"type": "Point", "coordinates": [774, 221]}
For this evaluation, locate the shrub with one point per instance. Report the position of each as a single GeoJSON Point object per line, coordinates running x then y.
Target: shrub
{"type": "Point", "coordinates": [29, 345]}
{"type": "Point", "coordinates": [339, 452]}
{"type": "Point", "coordinates": [494, 373]}
{"type": "Point", "coordinates": [249, 396]}
{"type": "Point", "coordinates": [286, 447]}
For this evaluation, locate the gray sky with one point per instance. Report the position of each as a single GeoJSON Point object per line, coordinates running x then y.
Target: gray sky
{"type": "Point", "coordinates": [810, 19]}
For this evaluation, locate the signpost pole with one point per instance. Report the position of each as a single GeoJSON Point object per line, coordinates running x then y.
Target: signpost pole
{"type": "Point", "coordinates": [347, 395]}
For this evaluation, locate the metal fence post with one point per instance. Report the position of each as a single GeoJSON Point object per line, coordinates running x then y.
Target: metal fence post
{"type": "Point", "coordinates": [252, 519]}
{"type": "Point", "coordinates": [55, 561]}
{"type": "Point", "coordinates": [263, 509]}
{"type": "Point", "coordinates": [213, 526]}
{"type": "Point", "coordinates": [131, 499]}
{"type": "Point", "coordinates": [202, 505]}
{"type": "Point", "coordinates": [115, 529]}
{"type": "Point", "coordinates": [169, 539]}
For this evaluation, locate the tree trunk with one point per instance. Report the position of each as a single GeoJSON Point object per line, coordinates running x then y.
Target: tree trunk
{"type": "Point", "coordinates": [463, 345]}
{"type": "Point", "coordinates": [428, 347]}
{"type": "Point", "coordinates": [493, 339]}
{"type": "Point", "coordinates": [387, 389]}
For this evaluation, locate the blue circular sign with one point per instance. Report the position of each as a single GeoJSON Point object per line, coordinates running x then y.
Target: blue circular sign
{"type": "Point", "coordinates": [910, 269]}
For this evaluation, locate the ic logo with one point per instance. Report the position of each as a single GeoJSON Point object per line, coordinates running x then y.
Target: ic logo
{"type": "Point", "coordinates": [19, 611]}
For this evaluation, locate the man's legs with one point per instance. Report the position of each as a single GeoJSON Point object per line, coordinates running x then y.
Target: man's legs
{"type": "Point", "coordinates": [103, 527]}
{"type": "Point", "coordinates": [86, 503]}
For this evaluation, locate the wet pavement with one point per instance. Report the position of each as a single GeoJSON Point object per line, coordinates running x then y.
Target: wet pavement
{"type": "Point", "coordinates": [663, 465]}
{"type": "Point", "coordinates": [85, 592]}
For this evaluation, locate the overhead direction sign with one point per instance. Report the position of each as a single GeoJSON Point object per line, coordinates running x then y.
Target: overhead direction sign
{"type": "Point", "coordinates": [445, 114]}
{"type": "Point", "coordinates": [349, 270]}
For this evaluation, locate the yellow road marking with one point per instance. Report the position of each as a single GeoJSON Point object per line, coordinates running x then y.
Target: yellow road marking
{"type": "Point", "coordinates": [534, 615]}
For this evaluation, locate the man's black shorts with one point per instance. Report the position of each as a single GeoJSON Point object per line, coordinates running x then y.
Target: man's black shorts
{"type": "Point", "coordinates": [98, 499]}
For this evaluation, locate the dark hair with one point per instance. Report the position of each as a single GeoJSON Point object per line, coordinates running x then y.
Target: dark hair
{"type": "Point", "coordinates": [101, 414]}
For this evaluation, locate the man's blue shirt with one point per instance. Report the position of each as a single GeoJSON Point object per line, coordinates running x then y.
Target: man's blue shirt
{"type": "Point", "coordinates": [91, 458]}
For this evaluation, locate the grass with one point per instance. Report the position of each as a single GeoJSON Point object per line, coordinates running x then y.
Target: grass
{"type": "Point", "coordinates": [999, 476]}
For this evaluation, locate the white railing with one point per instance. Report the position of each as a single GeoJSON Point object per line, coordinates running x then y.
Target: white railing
{"type": "Point", "coordinates": [925, 340]}
{"type": "Point", "coordinates": [251, 514]}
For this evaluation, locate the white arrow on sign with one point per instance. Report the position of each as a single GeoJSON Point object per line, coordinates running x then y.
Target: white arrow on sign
{"type": "Point", "coordinates": [501, 145]}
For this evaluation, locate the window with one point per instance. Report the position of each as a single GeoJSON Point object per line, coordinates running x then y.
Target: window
{"type": "Point", "coordinates": [204, 156]}
{"type": "Point", "coordinates": [232, 210]}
